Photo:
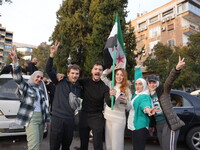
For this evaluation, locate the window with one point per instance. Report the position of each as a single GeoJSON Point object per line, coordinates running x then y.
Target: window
{"type": "Point", "coordinates": [1, 44]}
{"type": "Point", "coordinates": [171, 43]}
{"type": "Point", "coordinates": [154, 32]}
{"type": "Point", "coordinates": [7, 47]}
{"type": "Point", "coordinates": [170, 27]}
{"type": "Point", "coordinates": [179, 101]}
{"type": "Point", "coordinates": [168, 13]}
{"type": "Point", "coordinates": [142, 25]}
{"type": "Point", "coordinates": [181, 8]}
{"type": "Point", "coordinates": [154, 19]}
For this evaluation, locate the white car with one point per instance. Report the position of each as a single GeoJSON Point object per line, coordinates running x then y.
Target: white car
{"type": "Point", "coordinates": [9, 106]}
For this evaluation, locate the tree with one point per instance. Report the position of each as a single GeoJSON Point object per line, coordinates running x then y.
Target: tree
{"type": "Point", "coordinates": [42, 54]}
{"type": "Point", "coordinates": [130, 44]}
{"type": "Point", "coordinates": [166, 58]}
{"type": "Point", "coordinates": [83, 27]}
{"type": "Point", "coordinates": [160, 64]}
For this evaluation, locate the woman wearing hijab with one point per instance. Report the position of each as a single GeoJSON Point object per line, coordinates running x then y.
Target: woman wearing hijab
{"type": "Point", "coordinates": [33, 112]}
{"type": "Point", "coordinates": [138, 120]}
{"type": "Point", "coordinates": [116, 118]}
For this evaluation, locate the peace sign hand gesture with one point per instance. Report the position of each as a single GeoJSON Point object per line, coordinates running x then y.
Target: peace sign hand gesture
{"type": "Point", "coordinates": [54, 48]}
{"type": "Point", "coordinates": [138, 61]}
{"type": "Point", "coordinates": [181, 63]}
{"type": "Point", "coordinates": [13, 55]}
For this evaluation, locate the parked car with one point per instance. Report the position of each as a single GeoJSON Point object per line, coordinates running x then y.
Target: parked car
{"type": "Point", "coordinates": [187, 108]}
{"type": "Point", "coordinates": [9, 105]}
{"type": "Point", "coordinates": [196, 93]}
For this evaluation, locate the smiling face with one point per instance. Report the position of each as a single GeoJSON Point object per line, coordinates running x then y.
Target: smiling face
{"type": "Point", "coordinates": [152, 85]}
{"type": "Point", "coordinates": [139, 86]}
{"type": "Point", "coordinates": [73, 75]}
{"type": "Point", "coordinates": [119, 77]}
{"type": "Point", "coordinates": [37, 79]}
{"type": "Point", "coordinates": [97, 71]}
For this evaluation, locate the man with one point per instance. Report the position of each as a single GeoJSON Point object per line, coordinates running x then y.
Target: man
{"type": "Point", "coordinates": [91, 116]}
{"type": "Point", "coordinates": [167, 122]}
{"type": "Point", "coordinates": [32, 66]}
{"type": "Point", "coordinates": [62, 121]}
{"type": "Point", "coordinates": [9, 68]}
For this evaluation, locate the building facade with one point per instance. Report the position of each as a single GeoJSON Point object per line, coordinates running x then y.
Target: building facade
{"type": "Point", "coordinates": [6, 39]}
{"type": "Point", "coordinates": [170, 24]}
{"type": "Point", "coordinates": [25, 49]}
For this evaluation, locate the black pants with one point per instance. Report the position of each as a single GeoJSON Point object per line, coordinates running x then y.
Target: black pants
{"type": "Point", "coordinates": [61, 133]}
{"type": "Point", "coordinates": [94, 122]}
{"type": "Point", "coordinates": [139, 138]}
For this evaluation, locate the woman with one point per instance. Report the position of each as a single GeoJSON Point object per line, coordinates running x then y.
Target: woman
{"type": "Point", "coordinates": [138, 120]}
{"type": "Point", "coordinates": [33, 112]}
{"type": "Point", "coordinates": [116, 118]}
{"type": "Point", "coordinates": [166, 121]}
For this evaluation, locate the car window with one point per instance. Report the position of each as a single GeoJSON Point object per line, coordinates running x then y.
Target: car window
{"type": "Point", "coordinates": [7, 89]}
{"type": "Point", "coordinates": [179, 101]}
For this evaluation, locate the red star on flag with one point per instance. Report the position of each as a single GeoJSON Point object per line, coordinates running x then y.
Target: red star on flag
{"type": "Point", "coordinates": [120, 59]}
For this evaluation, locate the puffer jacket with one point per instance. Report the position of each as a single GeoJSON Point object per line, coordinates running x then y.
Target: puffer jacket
{"type": "Point", "coordinates": [163, 93]}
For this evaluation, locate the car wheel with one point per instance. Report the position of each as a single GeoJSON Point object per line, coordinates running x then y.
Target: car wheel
{"type": "Point", "coordinates": [193, 139]}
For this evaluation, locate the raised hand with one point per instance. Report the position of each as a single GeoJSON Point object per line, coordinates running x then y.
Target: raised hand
{"type": "Point", "coordinates": [138, 61]}
{"type": "Point", "coordinates": [60, 76]}
{"type": "Point", "coordinates": [181, 63]}
{"type": "Point", "coordinates": [13, 54]}
{"type": "Point", "coordinates": [54, 48]}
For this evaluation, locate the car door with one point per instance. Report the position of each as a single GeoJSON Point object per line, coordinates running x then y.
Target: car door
{"type": "Point", "coordinates": [184, 109]}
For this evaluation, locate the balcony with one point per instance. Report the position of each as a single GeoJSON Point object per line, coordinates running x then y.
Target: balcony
{"type": "Point", "coordinates": [1, 54]}
{"type": "Point", "coordinates": [189, 30]}
{"type": "Point", "coordinates": [192, 17]}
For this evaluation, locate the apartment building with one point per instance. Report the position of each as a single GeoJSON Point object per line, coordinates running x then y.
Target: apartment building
{"type": "Point", "coordinates": [169, 24]}
{"type": "Point", "coordinates": [6, 38]}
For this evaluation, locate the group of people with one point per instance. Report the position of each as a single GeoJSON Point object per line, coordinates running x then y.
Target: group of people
{"type": "Point", "coordinates": [149, 106]}
{"type": "Point", "coordinates": [29, 67]}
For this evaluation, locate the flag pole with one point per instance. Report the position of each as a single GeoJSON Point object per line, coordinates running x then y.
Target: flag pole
{"type": "Point", "coordinates": [113, 77]}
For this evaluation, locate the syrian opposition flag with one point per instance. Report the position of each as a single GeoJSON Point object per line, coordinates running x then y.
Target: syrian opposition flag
{"type": "Point", "coordinates": [115, 39]}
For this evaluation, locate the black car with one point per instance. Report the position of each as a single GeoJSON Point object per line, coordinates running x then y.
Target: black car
{"type": "Point", "coordinates": [187, 108]}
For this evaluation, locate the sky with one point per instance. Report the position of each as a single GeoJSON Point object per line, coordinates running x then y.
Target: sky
{"type": "Point", "coordinates": [33, 21]}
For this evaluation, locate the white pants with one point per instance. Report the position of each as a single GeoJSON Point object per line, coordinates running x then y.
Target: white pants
{"type": "Point", "coordinates": [114, 135]}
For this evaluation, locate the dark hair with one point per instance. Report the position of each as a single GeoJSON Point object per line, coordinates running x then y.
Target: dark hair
{"type": "Point", "coordinates": [74, 66]}
{"type": "Point", "coordinates": [98, 63]}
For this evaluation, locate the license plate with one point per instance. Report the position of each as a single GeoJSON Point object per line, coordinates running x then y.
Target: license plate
{"type": "Point", "coordinates": [15, 126]}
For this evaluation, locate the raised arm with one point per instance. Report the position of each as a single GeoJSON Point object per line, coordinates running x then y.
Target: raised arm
{"type": "Point", "coordinates": [137, 71]}
{"type": "Point", "coordinates": [17, 72]}
{"type": "Point", "coordinates": [175, 72]}
{"type": "Point", "coordinates": [49, 66]}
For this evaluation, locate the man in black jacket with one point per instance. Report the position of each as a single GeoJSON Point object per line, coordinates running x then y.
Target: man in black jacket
{"type": "Point", "coordinates": [91, 116]}
{"type": "Point", "coordinates": [62, 121]}
{"type": "Point", "coordinates": [32, 66]}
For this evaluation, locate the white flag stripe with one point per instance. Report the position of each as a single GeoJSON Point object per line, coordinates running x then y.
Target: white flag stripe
{"type": "Point", "coordinates": [113, 31]}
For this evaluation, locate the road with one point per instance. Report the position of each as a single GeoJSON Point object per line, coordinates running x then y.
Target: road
{"type": "Point", "coordinates": [19, 143]}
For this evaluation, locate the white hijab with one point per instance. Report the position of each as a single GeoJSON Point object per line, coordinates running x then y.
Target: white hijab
{"type": "Point", "coordinates": [31, 79]}
{"type": "Point", "coordinates": [145, 89]}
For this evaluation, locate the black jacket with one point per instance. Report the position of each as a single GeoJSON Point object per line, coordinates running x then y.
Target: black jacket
{"type": "Point", "coordinates": [61, 107]}
{"type": "Point", "coordinates": [163, 92]}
